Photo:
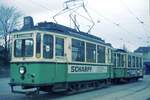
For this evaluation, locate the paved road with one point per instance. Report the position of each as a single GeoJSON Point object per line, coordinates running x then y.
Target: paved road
{"type": "Point", "coordinates": [133, 91]}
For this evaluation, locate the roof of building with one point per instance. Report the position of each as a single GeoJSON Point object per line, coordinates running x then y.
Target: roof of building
{"type": "Point", "coordinates": [143, 49]}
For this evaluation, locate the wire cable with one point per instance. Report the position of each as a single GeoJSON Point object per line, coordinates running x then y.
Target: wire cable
{"type": "Point", "coordinates": [136, 17]}
{"type": "Point", "coordinates": [110, 21]}
{"type": "Point", "coordinates": [40, 5]}
{"type": "Point", "coordinates": [130, 11]}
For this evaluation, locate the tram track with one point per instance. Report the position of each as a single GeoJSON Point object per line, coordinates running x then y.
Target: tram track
{"type": "Point", "coordinates": [127, 87]}
{"type": "Point", "coordinates": [113, 92]}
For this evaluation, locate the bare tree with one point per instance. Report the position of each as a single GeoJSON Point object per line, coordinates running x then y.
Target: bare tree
{"type": "Point", "coordinates": [9, 19]}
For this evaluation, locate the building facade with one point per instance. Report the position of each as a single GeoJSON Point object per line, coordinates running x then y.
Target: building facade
{"type": "Point", "coordinates": [146, 57]}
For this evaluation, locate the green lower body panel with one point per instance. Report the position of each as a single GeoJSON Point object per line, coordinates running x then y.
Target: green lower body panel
{"type": "Point", "coordinates": [87, 72]}
{"type": "Point", "coordinates": [127, 72]}
{"type": "Point", "coordinates": [50, 73]}
{"type": "Point", "coordinates": [38, 73]}
{"type": "Point", "coordinates": [134, 72]}
{"type": "Point", "coordinates": [119, 72]}
{"type": "Point", "coordinates": [86, 77]}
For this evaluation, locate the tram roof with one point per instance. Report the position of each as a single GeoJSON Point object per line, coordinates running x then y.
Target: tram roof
{"type": "Point", "coordinates": [61, 29]}
{"type": "Point", "coordinates": [127, 52]}
{"type": "Point", "coordinates": [120, 50]}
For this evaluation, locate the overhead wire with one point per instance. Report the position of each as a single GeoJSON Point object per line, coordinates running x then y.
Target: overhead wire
{"type": "Point", "coordinates": [64, 11]}
{"type": "Point", "coordinates": [131, 12]}
{"type": "Point", "coordinates": [136, 17]}
{"type": "Point", "coordinates": [110, 20]}
{"type": "Point", "coordinates": [118, 25]}
{"type": "Point", "coordinates": [106, 18]}
{"type": "Point", "coordinates": [147, 36]}
{"type": "Point", "coordinates": [40, 5]}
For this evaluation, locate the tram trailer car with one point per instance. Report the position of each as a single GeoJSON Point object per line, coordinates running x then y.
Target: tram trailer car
{"type": "Point", "coordinates": [127, 66]}
{"type": "Point", "coordinates": [51, 57]}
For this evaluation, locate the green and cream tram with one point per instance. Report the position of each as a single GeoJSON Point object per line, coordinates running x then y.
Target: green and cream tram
{"type": "Point", "coordinates": [50, 56]}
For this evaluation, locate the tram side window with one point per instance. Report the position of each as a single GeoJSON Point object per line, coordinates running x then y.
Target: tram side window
{"type": "Point", "coordinates": [28, 48]}
{"type": "Point", "coordinates": [48, 46]}
{"type": "Point", "coordinates": [101, 54]}
{"type": "Point", "coordinates": [137, 61]}
{"type": "Point", "coordinates": [38, 45]}
{"type": "Point", "coordinates": [23, 48]}
{"type": "Point", "coordinates": [59, 46]}
{"type": "Point", "coordinates": [121, 61]}
{"type": "Point", "coordinates": [115, 59]}
{"type": "Point", "coordinates": [109, 55]}
{"type": "Point", "coordinates": [141, 63]}
{"type": "Point", "coordinates": [129, 61]}
{"type": "Point", "coordinates": [90, 52]}
{"type": "Point", "coordinates": [133, 61]}
{"type": "Point", "coordinates": [18, 48]}
{"type": "Point", "coordinates": [78, 50]}
{"type": "Point", "coordinates": [112, 57]}
{"type": "Point", "coordinates": [118, 60]}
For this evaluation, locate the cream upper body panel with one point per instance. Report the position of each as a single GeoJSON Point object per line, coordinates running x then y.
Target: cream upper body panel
{"type": "Point", "coordinates": [67, 48]}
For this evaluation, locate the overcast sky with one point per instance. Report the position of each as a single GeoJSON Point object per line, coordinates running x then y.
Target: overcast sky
{"type": "Point", "coordinates": [107, 12]}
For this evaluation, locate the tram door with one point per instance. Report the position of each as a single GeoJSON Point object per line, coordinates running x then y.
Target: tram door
{"type": "Point", "coordinates": [60, 58]}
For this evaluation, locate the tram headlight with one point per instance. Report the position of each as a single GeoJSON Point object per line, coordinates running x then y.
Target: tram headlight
{"type": "Point", "coordinates": [22, 70]}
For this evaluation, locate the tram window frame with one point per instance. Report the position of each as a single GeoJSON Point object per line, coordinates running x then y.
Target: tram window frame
{"type": "Point", "coordinates": [100, 54]}
{"type": "Point", "coordinates": [129, 61]}
{"type": "Point", "coordinates": [59, 46]}
{"type": "Point", "coordinates": [19, 46]}
{"type": "Point", "coordinates": [124, 60]}
{"type": "Point", "coordinates": [91, 52]}
{"type": "Point", "coordinates": [78, 50]}
{"type": "Point", "coordinates": [48, 46]}
{"type": "Point", "coordinates": [38, 45]}
{"type": "Point", "coordinates": [137, 61]}
{"type": "Point", "coordinates": [133, 61]}
{"type": "Point", "coordinates": [121, 60]}
{"type": "Point", "coordinates": [109, 55]}
{"type": "Point", "coordinates": [141, 62]}
{"type": "Point", "coordinates": [115, 59]}
{"type": "Point", "coordinates": [112, 57]}
{"type": "Point", "coordinates": [23, 46]}
{"type": "Point", "coordinates": [118, 60]}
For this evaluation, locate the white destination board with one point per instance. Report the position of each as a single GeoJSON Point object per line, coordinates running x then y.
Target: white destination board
{"type": "Point", "coordinates": [86, 69]}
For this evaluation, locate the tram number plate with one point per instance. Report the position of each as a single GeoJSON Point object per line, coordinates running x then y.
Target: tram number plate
{"type": "Point", "coordinates": [86, 69]}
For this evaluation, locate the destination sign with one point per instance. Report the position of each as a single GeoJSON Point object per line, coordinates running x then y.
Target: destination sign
{"type": "Point", "coordinates": [27, 35]}
{"type": "Point", "coordinates": [86, 69]}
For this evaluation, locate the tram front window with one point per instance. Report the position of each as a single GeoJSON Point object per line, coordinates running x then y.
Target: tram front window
{"type": "Point", "coordinates": [23, 48]}
{"type": "Point", "coordinates": [47, 46]}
